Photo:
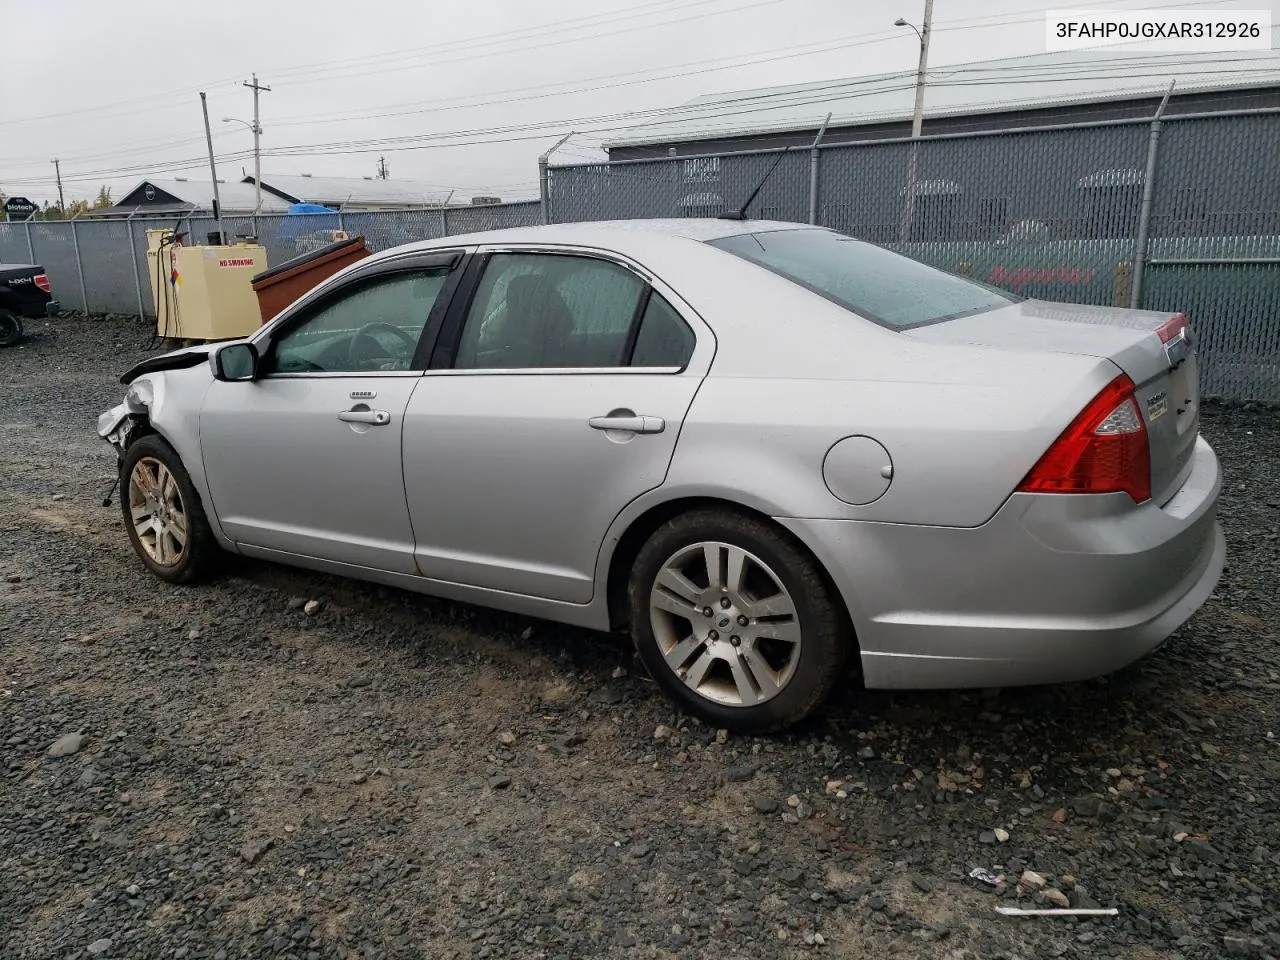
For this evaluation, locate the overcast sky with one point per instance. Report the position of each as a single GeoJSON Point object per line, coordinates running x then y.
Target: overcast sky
{"type": "Point", "coordinates": [111, 89]}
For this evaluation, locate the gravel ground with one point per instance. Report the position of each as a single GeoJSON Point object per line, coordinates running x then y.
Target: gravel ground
{"type": "Point", "coordinates": [394, 776]}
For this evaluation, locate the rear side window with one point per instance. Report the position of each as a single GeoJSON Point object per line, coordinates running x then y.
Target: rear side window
{"type": "Point", "coordinates": [892, 290]}
{"type": "Point", "coordinates": [535, 310]}
{"type": "Point", "coordinates": [664, 339]}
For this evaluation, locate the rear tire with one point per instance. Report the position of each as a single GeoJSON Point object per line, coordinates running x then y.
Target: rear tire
{"type": "Point", "coordinates": [10, 328]}
{"type": "Point", "coordinates": [163, 514]}
{"type": "Point", "coordinates": [755, 644]}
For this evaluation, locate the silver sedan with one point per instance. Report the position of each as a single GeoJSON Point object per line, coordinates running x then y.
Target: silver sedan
{"type": "Point", "coordinates": [767, 450]}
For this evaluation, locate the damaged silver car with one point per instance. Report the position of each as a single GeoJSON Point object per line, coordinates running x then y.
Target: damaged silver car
{"type": "Point", "coordinates": [767, 450]}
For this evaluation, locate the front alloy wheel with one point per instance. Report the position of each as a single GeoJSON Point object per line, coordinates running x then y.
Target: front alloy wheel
{"type": "Point", "coordinates": [159, 517]}
{"type": "Point", "coordinates": [163, 513]}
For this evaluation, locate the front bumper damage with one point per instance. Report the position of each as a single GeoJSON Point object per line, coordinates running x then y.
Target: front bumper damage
{"type": "Point", "coordinates": [118, 425]}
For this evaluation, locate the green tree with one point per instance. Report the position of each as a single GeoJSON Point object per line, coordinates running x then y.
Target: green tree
{"type": "Point", "coordinates": [104, 199]}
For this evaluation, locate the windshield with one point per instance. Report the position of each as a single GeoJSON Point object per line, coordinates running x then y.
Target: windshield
{"type": "Point", "coordinates": [873, 282]}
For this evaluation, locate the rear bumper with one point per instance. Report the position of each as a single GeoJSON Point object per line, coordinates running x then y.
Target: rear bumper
{"type": "Point", "coordinates": [1053, 588]}
{"type": "Point", "coordinates": [38, 311]}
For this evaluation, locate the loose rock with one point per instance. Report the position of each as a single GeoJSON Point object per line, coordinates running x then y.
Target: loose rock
{"type": "Point", "coordinates": [66, 745]}
{"type": "Point", "coordinates": [1030, 881]}
{"type": "Point", "coordinates": [1056, 898]}
{"type": "Point", "coordinates": [252, 850]}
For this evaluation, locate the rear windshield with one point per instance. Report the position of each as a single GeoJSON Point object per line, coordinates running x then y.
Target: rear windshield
{"type": "Point", "coordinates": [873, 282]}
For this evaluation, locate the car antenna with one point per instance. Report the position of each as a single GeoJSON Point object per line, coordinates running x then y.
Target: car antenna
{"type": "Point", "coordinates": [741, 212]}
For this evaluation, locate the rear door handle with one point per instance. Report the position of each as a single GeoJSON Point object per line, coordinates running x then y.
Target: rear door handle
{"type": "Point", "coordinates": [376, 418]}
{"type": "Point", "coordinates": [629, 424]}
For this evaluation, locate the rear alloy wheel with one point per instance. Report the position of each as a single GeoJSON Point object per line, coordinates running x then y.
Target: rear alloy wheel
{"type": "Point", "coordinates": [735, 621]}
{"type": "Point", "coordinates": [163, 514]}
{"type": "Point", "coordinates": [10, 328]}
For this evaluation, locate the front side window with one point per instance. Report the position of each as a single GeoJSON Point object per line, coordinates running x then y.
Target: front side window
{"type": "Point", "coordinates": [889, 289]}
{"type": "Point", "coordinates": [373, 327]}
{"type": "Point", "coordinates": [534, 310]}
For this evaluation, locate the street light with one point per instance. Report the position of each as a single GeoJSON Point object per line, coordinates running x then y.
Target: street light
{"type": "Point", "coordinates": [917, 118]}
{"type": "Point", "coordinates": [903, 23]}
{"type": "Point", "coordinates": [257, 163]}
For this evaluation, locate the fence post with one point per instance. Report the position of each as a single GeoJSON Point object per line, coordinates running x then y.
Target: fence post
{"type": "Point", "coordinates": [813, 171]}
{"type": "Point", "coordinates": [544, 189]}
{"type": "Point", "coordinates": [341, 226]}
{"type": "Point", "coordinates": [31, 250]}
{"type": "Point", "coordinates": [137, 270]}
{"type": "Point", "coordinates": [1148, 191]}
{"type": "Point", "coordinates": [444, 221]}
{"type": "Point", "coordinates": [544, 177]}
{"type": "Point", "coordinates": [75, 246]}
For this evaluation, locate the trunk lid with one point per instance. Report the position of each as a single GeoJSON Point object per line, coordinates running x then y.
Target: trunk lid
{"type": "Point", "coordinates": [1166, 375]}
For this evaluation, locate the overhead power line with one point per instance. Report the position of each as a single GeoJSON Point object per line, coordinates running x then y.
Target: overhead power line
{"type": "Point", "coordinates": [537, 33]}
{"type": "Point", "coordinates": [175, 98]}
{"type": "Point", "coordinates": [607, 123]}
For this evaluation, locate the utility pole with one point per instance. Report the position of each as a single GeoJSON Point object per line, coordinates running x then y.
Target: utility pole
{"type": "Point", "coordinates": [382, 168]}
{"type": "Point", "coordinates": [917, 117]}
{"type": "Point", "coordinates": [62, 205]}
{"type": "Point", "coordinates": [258, 88]}
{"type": "Point", "coordinates": [213, 171]}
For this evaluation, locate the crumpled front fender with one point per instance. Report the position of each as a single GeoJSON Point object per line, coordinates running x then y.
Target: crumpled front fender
{"type": "Point", "coordinates": [117, 424]}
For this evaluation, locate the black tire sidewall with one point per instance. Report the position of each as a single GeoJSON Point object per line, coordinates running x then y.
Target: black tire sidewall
{"type": "Point", "coordinates": [10, 328]}
{"type": "Point", "coordinates": [200, 550]}
{"type": "Point", "coordinates": [823, 649]}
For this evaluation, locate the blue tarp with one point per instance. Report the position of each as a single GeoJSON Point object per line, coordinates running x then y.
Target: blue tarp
{"type": "Point", "coordinates": [304, 218]}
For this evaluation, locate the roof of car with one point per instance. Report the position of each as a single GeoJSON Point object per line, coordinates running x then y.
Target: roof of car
{"type": "Point", "coordinates": [613, 233]}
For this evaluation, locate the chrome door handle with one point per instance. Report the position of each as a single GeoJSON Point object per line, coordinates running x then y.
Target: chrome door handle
{"type": "Point", "coordinates": [377, 418]}
{"type": "Point", "coordinates": [631, 424]}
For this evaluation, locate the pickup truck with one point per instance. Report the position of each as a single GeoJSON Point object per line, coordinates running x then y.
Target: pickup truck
{"type": "Point", "coordinates": [25, 291]}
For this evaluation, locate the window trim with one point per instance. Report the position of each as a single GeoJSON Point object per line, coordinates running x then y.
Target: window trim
{"type": "Point", "coordinates": [454, 259]}
{"type": "Point", "coordinates": [445, 351]}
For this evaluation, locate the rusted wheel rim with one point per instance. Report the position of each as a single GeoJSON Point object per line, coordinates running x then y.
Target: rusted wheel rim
{"type": "Point", "coordinates": [158, 514]}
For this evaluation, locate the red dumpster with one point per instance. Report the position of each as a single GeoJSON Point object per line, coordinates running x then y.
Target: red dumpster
{"type": "Point", "coordinates": [282, 285]}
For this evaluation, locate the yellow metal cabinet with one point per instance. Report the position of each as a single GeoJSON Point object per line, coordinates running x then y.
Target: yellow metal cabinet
{"type": "Point", "coordinates": [204, 292]}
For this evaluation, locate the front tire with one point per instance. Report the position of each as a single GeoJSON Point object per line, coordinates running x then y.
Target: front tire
{"type": "Point", "coordinates": [735, 621]}
{"type": "Point", "coordinates": [163, 514]}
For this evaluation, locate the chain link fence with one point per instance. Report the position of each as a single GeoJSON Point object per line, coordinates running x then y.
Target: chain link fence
{"type": "Point", "coordinates": [100, 266]}
{"type": "Point", "coordinates": [1178, 214]}
{"type": "Point", "coordinates": [1054, 213]}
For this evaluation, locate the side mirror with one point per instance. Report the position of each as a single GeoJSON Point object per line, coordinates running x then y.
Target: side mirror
{"type": "Point", "coordinates": [236, 361]}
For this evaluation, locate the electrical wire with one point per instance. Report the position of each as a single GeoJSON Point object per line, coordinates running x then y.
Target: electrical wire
{"type": "Point", "coordinates": [153, 102]}
{"type": "Point", "coordinates": [488, 135]}
{"type": "Point", "coordinates": [105, 110]}
{"type": "Point", "coordinates": [1029, 71]}
{"type": "Point", "coordinates": [799, 98]}
{"type": "Point", "coordinates": [867, 39]}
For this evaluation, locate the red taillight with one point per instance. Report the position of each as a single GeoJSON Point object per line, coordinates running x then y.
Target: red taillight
{"type": "Point", "coordinates": [1104, 450]}
{"type": "Point", "coordinates": [1173, 327]}
{"type": "Point", "coordinates": [41, 280]}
